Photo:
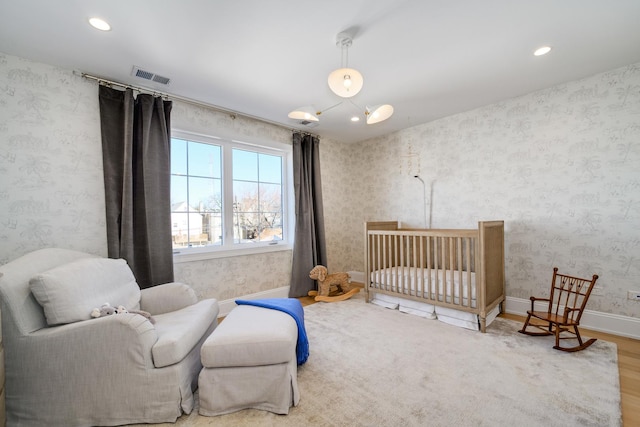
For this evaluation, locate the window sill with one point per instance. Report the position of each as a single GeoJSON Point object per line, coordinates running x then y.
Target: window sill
{"type": "Point", "coordinates": [189, 255]}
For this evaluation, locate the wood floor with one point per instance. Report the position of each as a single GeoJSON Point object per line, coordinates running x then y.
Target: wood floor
{"type": "Point", "coordinates": [628, 366]}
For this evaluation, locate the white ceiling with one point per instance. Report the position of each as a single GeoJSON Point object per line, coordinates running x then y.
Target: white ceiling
{"type": "Point", "coordinates": [427, 58]}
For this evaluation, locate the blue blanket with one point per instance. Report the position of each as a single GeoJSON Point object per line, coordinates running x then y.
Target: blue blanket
{"type": "Point", "coordinates": [292, 307]}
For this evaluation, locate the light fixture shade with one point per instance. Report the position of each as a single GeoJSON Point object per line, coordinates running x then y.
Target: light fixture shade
{"type": "Point", "coordinates": [345, 82]}
{"type": "Point", "coordinates": [542, 50]}
{"type": "Point", "coordinates": [100, 24]}
{"type": "Point", "coordinates": [304, 113]}
{"type": "Point", "coordinates": [378, 113]}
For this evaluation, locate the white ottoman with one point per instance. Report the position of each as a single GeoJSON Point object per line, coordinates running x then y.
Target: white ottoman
{"type": "Point", "coordinates": [249, 361]}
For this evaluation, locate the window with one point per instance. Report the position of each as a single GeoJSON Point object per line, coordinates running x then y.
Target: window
{"type": "Point", "coordinates": [228, 197]}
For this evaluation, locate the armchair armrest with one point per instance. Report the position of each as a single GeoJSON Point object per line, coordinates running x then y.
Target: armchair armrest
{"type": "Point", "coordinates": [167, 298]}
{"type": "Point", "coordinates": [93, 344]}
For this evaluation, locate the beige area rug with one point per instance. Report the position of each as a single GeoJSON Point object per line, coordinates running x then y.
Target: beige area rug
{"type": "Point", "coordinates": [371, 366]}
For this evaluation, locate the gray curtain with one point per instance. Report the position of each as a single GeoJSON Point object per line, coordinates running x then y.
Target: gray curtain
{"type": "Point", "coordinates": [136, 160]}
{"type": "Point", "coordinates": [309, 247]}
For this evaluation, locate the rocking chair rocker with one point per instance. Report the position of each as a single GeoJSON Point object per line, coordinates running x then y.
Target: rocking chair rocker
{"type": "Point", "coordinates": [566, 302]}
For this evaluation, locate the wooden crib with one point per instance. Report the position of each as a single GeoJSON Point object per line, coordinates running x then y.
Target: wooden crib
{"type": "Point", "coordinates": [460, 269]}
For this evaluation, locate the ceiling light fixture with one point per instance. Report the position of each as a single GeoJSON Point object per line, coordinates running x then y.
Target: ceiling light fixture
{"type": "Point", "coordinates": [345, 82]}
{"type": "Point", "coordinates": [542, 50]}
{"type": "Point", "coordinates": [378, 113]}
{"type": "Point", "coordinates": [100, 24]}
{"type": "Point", "coordinates": [305, 113]}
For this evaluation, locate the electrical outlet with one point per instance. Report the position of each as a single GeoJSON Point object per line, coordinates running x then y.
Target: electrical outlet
{"type": "Point", "coordinates": [633, 295]}
{"type": "Point", "coordinates": [597, 291]}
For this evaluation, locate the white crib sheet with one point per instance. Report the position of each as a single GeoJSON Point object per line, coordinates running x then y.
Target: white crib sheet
{"type": "Point", "coordinates": [418, 278]}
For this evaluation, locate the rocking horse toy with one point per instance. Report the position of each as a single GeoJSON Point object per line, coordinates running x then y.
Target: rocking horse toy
{"type": "Point", "coordinates": [331, 287]}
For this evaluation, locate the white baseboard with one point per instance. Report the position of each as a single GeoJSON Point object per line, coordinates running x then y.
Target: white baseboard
{"type": "Point", "coordinates": [614, 324]}
{"type": "Point", "coordinates": [603, 322]}
{"type": "Point", "coordinates": [227, 305]}
{"type": "Point", "coordinates": [356, 276]}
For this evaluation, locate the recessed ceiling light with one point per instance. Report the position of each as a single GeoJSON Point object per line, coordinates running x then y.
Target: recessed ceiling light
{"type": "Point", "coordinates": [355, 119]}
{"type": "Point", "coordinates": [99, 24]}
{"type": "Point", "coordinates": [542, 50]}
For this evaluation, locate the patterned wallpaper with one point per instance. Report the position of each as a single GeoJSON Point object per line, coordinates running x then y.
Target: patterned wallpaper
{"type": "Point", "coordinates": [52, 191]}
{"type": "Point", "coordinates": [560, 166]}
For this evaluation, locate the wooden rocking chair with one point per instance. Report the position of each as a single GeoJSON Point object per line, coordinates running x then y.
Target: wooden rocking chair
{"type": "Point", "coordinates": [568, 297]}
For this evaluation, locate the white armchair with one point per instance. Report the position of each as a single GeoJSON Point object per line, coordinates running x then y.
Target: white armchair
{"type": "Point", "coordinates": [64, 368]}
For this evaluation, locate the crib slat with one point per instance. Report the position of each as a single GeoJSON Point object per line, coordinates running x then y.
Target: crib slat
{"type": "Point", "coordinates": [379, 265]}
{"type": "Point", "coordinates": [373, 266]}
{"type": "Point", "coordinates": [407, 262]}
{"type": "Point", "coordinates": [421, 263]}
{"type": "Point", "coordinates": [396, 261]}
{"type": "Point", "coordinates": [381, 253]}
{"type": "Point", "coordinates": [437, 253]}
{"type": "Point", "coordinates": [429, 265]}
{"type": "Point", "coordinates": [458, 250]}
{"type": "Point", "coordinates": [444, 268]}
{"type": "Point", "coordinates": [468, 264]}
{"type": "Point", "coordinates": [414, 262]}
{"type": "Point", "coordinates": [401, 255]}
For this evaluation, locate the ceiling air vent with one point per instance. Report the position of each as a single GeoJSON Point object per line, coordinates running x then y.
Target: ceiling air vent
{"type": "Point", "coordinates": [308, 123]}
{"type": "Point", "coordinates": [148, 75]}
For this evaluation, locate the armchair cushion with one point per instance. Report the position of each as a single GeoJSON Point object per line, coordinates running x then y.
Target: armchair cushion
{"type": "Point", "coordinates": [69, 292]}
{"type": "Point", "coordinates": [179, 331]}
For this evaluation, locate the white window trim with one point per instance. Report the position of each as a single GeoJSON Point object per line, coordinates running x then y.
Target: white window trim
{"type": "Point", "coordinates": [181, 255]}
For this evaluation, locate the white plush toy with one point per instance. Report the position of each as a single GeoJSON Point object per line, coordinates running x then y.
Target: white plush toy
{"type": "Point", "coordinates": [107, 310]}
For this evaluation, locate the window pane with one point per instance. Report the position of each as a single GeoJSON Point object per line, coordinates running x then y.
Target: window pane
{"type": "Point", "coordinates": [245, 196]}
{"type": "Point", "coordinates": [178, 156]}
{"type": "Point", "coordinates": [204, 160]}
{"type": "Point", "coordinates": [270, 197]}
{"type": "Point", "coordinates": [178, 193]}
{"type": "Point", "coordinates": [212, 227]}
{"type": "Point", "coordinates": [270, 168]}
{"type": "Point", "coordinates": [245, 165]}
{"type": "Point", "coordinates": [271, 226]}
{"type": "Point", "coordinates": [180, 229]}
{"type": "Point", "coordinates": [245, 227]}
{"type": "Point", "coordinates": [205, 194]}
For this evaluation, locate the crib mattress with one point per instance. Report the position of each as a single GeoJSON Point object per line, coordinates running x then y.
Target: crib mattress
{"type": "Point", "coordinates": [439, 282]}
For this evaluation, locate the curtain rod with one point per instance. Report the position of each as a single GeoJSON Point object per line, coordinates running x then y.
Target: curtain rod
{"type": "Point", "coordinates": [181, 98]}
